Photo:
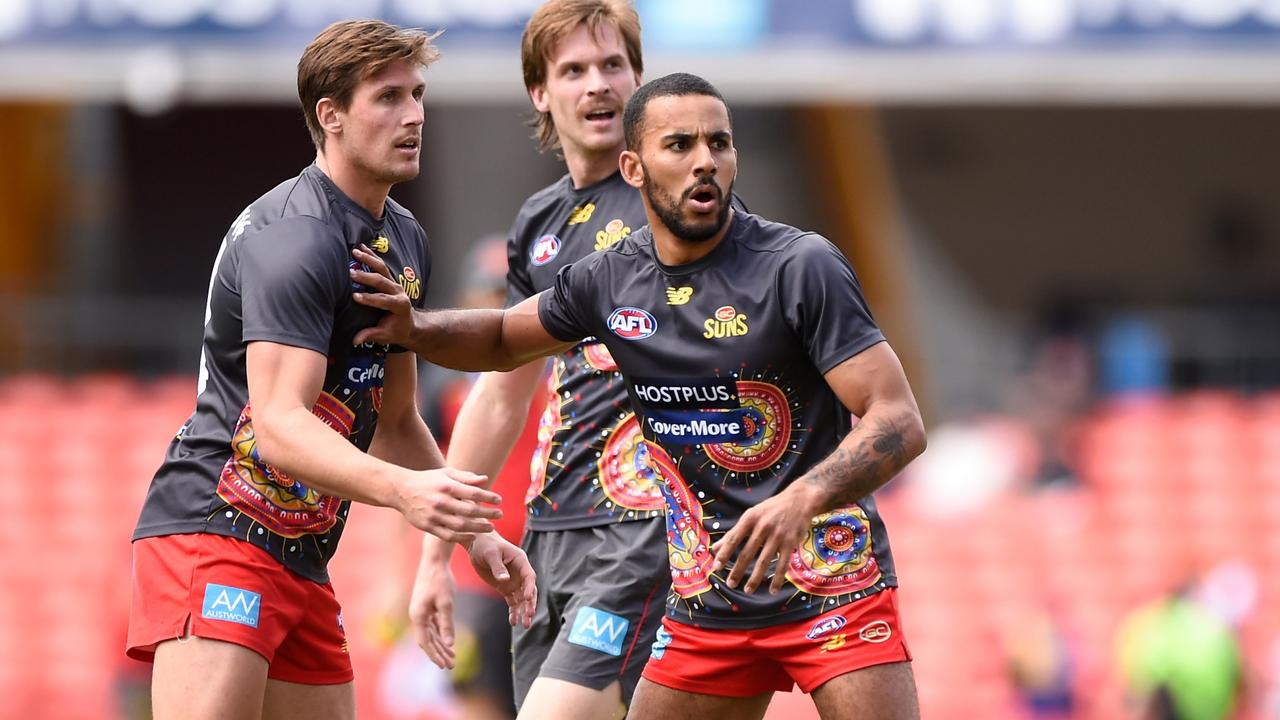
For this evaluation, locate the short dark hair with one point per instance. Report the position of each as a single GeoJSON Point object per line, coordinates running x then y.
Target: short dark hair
{"type": "Point", "coordinates": [673, 84]}
{"type": "Point", "coordinates": [345, 53]}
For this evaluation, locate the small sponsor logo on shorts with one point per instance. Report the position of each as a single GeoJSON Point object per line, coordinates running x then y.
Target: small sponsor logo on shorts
{"type": "Point", "coordinates": [660, 643]}
{"type": "Point", "coordinates": [231, 604]}
{"type": "Point", "coordinates": [835, 642]}
{"type": "Point", "coordinates": [825, 627]}
{"type": "Point", "coordinates": [876, 632]}
{"type": "Point", "coordinates": [599, 630]}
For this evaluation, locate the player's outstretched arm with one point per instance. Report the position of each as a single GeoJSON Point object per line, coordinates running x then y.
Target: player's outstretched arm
{"type": "Point", "coordinates": [459, 339]}
{"type": "Point", "coordinates": [889, 435]}
{"type": "Point", "coordinates": [284, 382]}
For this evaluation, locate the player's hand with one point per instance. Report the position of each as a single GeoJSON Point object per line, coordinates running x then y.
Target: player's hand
{"type": "Point", "coordinates": [507, 569]}
{"type": "Point", "coordinates": [384, 293]}
{"type": "Point", "coordinates": [770, 531]}
{"type": "Point", "coordinates": [448, 503]}
{"type": "Point", "coordinates": [431, 611]}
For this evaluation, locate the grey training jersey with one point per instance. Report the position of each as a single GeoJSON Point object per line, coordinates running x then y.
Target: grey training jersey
{"type": "Point", "coordinates": [282, 276]}
{"type": "Point", "coordinates": [589, 467]}
{"type": "Point", "coordinates": [724, 361]}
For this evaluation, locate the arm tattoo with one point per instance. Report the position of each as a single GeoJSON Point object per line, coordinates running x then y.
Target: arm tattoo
{"type": "Point", "coordinates": [850, 475]}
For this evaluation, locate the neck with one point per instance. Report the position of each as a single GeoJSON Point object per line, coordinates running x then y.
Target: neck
{"type": "Point", "coordinates": [586, 168]}
{"type": "Point", "coordinates": [371, 196]}
{"type": "Point", "coordinates": [673, 250]}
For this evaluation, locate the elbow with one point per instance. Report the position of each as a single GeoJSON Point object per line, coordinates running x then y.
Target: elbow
{"type": "Point", "coordinates": [916, 437]}
{"type": "Point", "coordinates": [268, 436]}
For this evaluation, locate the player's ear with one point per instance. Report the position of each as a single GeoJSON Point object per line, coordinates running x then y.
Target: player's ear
{"type": "Point", "coordinates": [632, 170]}
{"type": "Point", "coordinates": [538, 96]}
{"type": "Point", "coordinates": [328, 116]}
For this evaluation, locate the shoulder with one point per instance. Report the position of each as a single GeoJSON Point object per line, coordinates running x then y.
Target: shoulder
{"type": "Point", "coordinates": [548, 196]}
{"type": "Point", "coordinates": [395, 210]}
{"type": "Point", "coordinates": [766, 236]}
{"type": "Point", "coordinates": [404, 220]}
{"type": "Point", "coordinates": [298, 197]}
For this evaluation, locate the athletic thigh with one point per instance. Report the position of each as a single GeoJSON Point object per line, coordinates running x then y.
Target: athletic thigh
{"type": "Point", "coordinates": [879, 692]}
{"type": "Point", "coordinates": [615, 606]}
{"type": "Point", "coordinates": [297, 701]}
{"type": "Point", "coordinates": [197, 679]}
{"type": "Point", "coordinates": [656, 702]}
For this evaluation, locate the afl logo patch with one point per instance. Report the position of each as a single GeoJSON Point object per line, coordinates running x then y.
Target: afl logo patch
{"type": "Point", "coordinates": [823, 628]}
{"type": "Point", "coordinates": [545, 250]}
{"type": "Point", "coordinates": [631, 323]}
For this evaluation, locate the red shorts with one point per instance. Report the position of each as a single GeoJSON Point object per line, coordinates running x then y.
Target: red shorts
{"type": "Point", "coordinates": [742, 663]}
{"type": "Point", "coordinates": [232, 591]}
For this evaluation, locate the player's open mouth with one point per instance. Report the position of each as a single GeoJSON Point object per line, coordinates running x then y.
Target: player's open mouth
{"type": "Point", "coordinates": [601, 116]}
{"type": "Point", "coordinates": [705, 198]}
{"type": "Point", "coordinates": [408, 146]}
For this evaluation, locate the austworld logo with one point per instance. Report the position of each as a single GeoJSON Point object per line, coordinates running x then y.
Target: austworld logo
{"type": "Point", "coordinates": [631, 323]}
{"type": "Point", "coordinates": [825, 627]}
{"type": "Point", "coordinates": [545, 250]}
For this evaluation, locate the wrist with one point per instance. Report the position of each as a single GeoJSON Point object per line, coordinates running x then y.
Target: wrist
{"type": "Point", "coordinates": [435, 552]}
{"type": "Point", "coordinates": [809, 497]}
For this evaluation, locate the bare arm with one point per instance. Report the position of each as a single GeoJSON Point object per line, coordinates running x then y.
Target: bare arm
{"type": "Point", "coordinates": [284, 383]}
{"type": "Point", "coordinates": [402, 437]}
{"type": "Point", "coordinates": [458, 339]}
{"type": "Point", "coordinates": [889, 435]}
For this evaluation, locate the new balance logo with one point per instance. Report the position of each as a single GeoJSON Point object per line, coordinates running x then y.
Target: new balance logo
{"type": "Point", "coordinates": [231, 604]}
{"type": "Point", "coordinates": [599, 630]}
{"type": "Point", "coordinates": [679, 296]}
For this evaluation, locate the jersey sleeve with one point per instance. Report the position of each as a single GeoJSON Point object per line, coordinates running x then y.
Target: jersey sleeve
{"type": "Point", "coordinates": [823, 303]}
{"type": "Point", "coordinates": [292, 275]}
{"type": "Point", "coordinates": [560, 306]}
{"type": "Point", "coordinates": [519, 284]}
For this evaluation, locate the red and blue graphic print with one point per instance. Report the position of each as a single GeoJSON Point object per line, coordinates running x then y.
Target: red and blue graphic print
{"type": "Point", "coordinates": [267, 495]}
{"type": "Point", "coordinates": [836, 556]}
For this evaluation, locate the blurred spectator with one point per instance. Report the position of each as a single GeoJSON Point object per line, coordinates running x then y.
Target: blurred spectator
{"type": "Point", "coordinates": [1054, 392]}
{"type": "Point", "coordinates": [1040, 664]}
{"type": "Point", "coordinates": [1133, 357]}
{"type": "Point", "coordinates": [1179, 660]}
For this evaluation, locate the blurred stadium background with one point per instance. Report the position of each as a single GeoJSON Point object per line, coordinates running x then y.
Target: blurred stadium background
{"type": "Point", "coordinates": [1065, 213]}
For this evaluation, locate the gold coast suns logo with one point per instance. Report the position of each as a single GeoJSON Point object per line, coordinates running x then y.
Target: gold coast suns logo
{"type": "Point", "coordinates": [581, 214]}
{"type": "Point", "coordinates": [611, 234]}
{"type": "Point", "coordinates": [381, 244]}
{"type": "Point", "coordinates": [411, 283]}
{"type": "Point", "coordinates": [726, 323]}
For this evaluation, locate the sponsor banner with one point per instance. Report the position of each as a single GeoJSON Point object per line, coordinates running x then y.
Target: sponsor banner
{"type": "Point", "coordinates": [712, 25]}
{"type": "Point", "coordinates": [686, 393]}
{"type": "Point", "coordinates": [698, 427]}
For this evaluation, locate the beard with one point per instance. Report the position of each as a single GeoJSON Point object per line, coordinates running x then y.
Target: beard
{"type": "Point", "coordinates": [667, 208]}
